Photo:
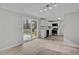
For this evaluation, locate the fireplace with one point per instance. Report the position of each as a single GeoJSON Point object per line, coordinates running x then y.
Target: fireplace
{"type": "Point", "coordinates": [54, 31]}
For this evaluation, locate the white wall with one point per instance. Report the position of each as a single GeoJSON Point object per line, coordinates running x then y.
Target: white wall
{"type": "Point", "coordinates": [10, 29]}
{"type": "Point", "coordinates": [71, 28]}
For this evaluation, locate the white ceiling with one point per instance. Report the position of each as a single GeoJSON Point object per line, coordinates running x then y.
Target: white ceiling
{"type": "Point", "coordinates": [34, 9]}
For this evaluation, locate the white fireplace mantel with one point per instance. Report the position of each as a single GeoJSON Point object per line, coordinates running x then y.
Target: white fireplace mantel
{"type": "Point", "coordinates": [44, 26]}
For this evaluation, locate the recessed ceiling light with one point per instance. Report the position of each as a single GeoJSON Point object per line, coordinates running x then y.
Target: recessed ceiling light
{"type": "Point", "coordinates": [41, 10]}
{"type": "Point", "coordinates": [55, 5]}
{"type": "Point", "coordinates": [45, 9]}
{"type": "Point", "coordinates": [59, 18]}
{"type": "Point", "coordinates": [50, 7]}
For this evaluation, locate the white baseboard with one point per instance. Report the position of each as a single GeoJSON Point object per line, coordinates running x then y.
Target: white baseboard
{"type": "Point", "coordinates": [68, 42]}
{"type": "Point", "coordinates": [10, 46]}
{"type": "Point", "coordinates": [14, 45]}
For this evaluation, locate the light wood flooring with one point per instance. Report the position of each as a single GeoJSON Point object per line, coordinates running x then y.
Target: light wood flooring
{"type": "Point", "coordinates": [42, 47]}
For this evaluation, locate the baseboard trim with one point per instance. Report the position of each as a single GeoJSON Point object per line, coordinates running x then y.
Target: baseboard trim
{"type": "Point", "coordinates": [68, 42]}
{"type": "Point", "coordinates": [10, 46]}
{"type": "Point", "coordinates": [15, 45]}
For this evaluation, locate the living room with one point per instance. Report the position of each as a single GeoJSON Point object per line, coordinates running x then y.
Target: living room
{"type": "Point", "coordinates": [39, 28]}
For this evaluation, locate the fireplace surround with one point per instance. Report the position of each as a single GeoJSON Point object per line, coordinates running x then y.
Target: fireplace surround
{"type": "Point", "coordinates": [50, 28]}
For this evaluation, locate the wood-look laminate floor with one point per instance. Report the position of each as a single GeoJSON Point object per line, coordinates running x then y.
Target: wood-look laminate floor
{"type": "Point", "coordinates": [42, 47]}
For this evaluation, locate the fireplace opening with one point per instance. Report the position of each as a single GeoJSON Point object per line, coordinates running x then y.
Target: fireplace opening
{"type": "Point", "coordinates": [54, 31]}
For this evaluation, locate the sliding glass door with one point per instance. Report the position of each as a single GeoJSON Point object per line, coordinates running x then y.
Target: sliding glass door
{"type": "Point", "coordinates": [29, 29]}
{"type": "Point", "coordinates": [26, 29]}
{"type": "Point", "coordinates": [34, 29]}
